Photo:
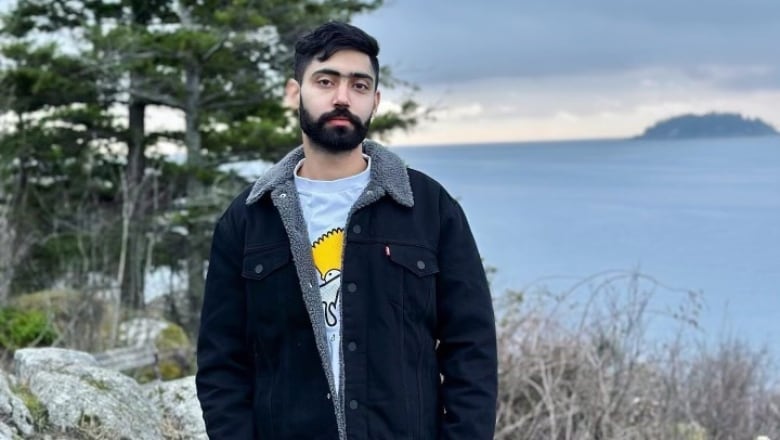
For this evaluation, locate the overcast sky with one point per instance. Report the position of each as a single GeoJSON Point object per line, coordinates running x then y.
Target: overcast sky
{"type": "Point", "coordinates": [505, 70]}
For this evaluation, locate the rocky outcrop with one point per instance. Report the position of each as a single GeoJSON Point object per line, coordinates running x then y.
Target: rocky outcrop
{"type": "Point", "coordinates": [28, 361]}
{"type": "Point", "coordinates": [180, 409]}
{"type": "Point", "coordinates": [141, 331]}
{"type": "Point", "coordinates": [65, 392]}
{"type": "Point", "coordinates": [13, 410]}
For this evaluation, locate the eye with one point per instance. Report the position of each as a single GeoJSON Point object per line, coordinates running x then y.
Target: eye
{"type": "Point", "coordinates": [361, 86]}
{"type": "Point", "coordinates": [325, 82]}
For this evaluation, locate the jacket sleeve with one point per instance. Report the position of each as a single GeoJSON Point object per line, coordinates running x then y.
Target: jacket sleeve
{"type": "Point", "coordinates": [466, 331]}
{"type": "Point", "coordinates": [224, 379]}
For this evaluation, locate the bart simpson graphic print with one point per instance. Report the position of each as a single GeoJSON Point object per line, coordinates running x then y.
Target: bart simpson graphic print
{"type": "Point", "coordinates": [327, 251]}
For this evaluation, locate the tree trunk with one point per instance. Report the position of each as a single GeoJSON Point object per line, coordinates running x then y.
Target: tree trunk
{"type": "Point", "coordinates": [195, 193]}
{"type": "Point", "coordinates": [15, 244]}
{"type": "Point", "coordinates": [7, 268]}
{"type": "Point", "coordinates": [132, 278]}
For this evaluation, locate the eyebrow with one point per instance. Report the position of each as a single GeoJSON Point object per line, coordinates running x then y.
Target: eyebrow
{"type": "Point", "coordinates": [358, 75]}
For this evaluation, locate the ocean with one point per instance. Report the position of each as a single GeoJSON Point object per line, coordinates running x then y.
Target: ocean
{"type": "Point", "coordinates": [698, 215]}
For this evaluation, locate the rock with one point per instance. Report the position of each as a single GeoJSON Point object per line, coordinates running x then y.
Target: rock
{"type": "Point", "coordinates": [178, 402]}
{"type": "Point", "coordinates": [81, 397]}
{"type": "Point", "coordinates": [6, 433]}
{"type": "Point", "coordinates": [100, 402]}
{"type": "Point", "coordinates": [64, 394]}
{"type": "Point", "coordinates": [176, 354]}
{"type": "Point", "coordinates": [14, 411]}
{"type": "Point", "coordinates": [28, 361]}
{"type": "Point", "coordinates": [140, 331]}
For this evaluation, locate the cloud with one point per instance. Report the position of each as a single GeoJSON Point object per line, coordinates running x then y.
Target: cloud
{"type": "Point", "coordinates": [608, 105]}
{"type": "Point", "coordinates": [562, 69]}
{"type": "Point", "coordinates": [448, 42]}
{"type": "Point", "coordinates": [459, 113]}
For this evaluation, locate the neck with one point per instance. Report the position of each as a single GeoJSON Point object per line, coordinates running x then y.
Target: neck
{"type": "Point", "coordinates": [323, 165]}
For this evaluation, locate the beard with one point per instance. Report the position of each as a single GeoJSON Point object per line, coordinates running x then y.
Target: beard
{"type": "Point", "coordinates": [338, 139]}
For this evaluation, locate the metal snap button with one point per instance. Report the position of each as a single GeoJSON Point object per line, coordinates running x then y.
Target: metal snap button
{"type": "Point", "coordinates": [352, 287]}
{"type": "Point", "coordinates": [353, 404]}
{"type": "Point", "coordinates": [259, 268]}
{"type": "Point", "coordinates": [357, 229]}
{"type": "Point", "coordinates": [421, 264]}
{"type": "Point", "coordinates": [351, 346]}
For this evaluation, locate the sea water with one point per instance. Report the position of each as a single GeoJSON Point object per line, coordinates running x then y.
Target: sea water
{"type": "Point", "coordinates": [698, 215]}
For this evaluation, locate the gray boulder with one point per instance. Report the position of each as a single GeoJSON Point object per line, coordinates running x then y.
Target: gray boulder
{"type": "Point", "coordinates": [141, 331]}
{"type": "Point", "coordinates": [6, 433]}
{"type": "Point", "coordinates": [28, 361]}
{"type": "Point", "coordinates": [79, 396]}
{"type": "Point", "coordinates": [177, 401]}
{"type": "Point", "coordinates": [13, 411]}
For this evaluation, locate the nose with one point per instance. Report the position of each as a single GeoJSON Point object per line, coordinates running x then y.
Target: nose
{"type": "Point", "coordinates": [341, 98]}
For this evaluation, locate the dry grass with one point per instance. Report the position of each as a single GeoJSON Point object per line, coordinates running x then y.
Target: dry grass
{"type": "Point", "coordinates": [606, 360]}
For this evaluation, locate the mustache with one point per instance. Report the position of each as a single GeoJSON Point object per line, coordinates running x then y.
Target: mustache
{"type": "Point", "coordinates": [340, 113]}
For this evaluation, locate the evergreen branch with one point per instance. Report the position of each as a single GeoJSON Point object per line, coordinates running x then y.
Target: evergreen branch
{"type": "Point", "coordinates": [156, 98]}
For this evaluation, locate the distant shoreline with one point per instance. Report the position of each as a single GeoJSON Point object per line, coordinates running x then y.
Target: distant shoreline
{"type": "Point", "coordinates": [682, 127]}
{"type": "Point", "coordinates": [707, 126]}
{"type": "Point", "coordinates": [566, 141]}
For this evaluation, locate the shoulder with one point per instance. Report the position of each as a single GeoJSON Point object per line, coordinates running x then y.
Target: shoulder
{"type": "Point", "coordinates": [421, 181]}
{"type": "Point", "coordinates": [427, 189]}
{"type": "Point", "coordinates": [236, 212]}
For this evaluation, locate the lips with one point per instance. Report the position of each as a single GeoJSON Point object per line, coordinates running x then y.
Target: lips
{"type": "Point", "coordinates": [339, 121]}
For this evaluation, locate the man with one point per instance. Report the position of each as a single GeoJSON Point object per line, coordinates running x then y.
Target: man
{"type": "Point", "coordinates": [345, 296]}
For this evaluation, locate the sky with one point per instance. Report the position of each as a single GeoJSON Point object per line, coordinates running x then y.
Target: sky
{"type": "Point", "coordinates": [522, 70]}
{"type": "Point", "coordinates": [526, 70]}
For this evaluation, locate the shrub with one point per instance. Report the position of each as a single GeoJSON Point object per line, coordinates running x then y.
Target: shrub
{"type": "Point", "coordinates": [25, 328]}
{"type": "Point", "coordinates": [82, 321]}
{"type": "Point", "coordinates": [604, 360]}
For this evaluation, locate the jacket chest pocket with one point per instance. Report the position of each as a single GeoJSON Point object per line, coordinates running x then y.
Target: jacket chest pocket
{"type": "Point", "coordinates": [271, 281]}
{"type": "Point", "coordinates": [417, 268]}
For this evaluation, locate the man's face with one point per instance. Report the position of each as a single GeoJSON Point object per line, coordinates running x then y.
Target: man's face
{"type": "Point", "coordinates": [337, 99]}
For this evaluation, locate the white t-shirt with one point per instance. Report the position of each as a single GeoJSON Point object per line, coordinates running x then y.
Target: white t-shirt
{"type": "Point", "coordinates": [326, 205]}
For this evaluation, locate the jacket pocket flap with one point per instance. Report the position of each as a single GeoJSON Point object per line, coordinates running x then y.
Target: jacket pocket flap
{"type": "Point", "coordinates": [420, 261]}
{"type": "Point", "coordinates": [258, 264]}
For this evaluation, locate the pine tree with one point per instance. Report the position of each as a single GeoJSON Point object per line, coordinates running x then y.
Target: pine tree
{"type": "Point", "coordinates": [220, 64]}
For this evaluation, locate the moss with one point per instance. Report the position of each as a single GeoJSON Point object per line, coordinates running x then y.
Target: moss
{"type": "Point", "coordinates": [170, 369]}
{"type": "Point", "coordinates": [38, 412]}
{"type": "Point", "coordinates": [176, 360]}
{"type": "Point", "coordinates": [98, 384]}
{"type": "Point", "coordinates": [690, 431]}
{"type": "Point", "coordinates": [172, 337]}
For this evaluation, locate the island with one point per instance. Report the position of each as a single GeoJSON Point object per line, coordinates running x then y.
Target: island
{"type": "Point", "coordinates": [709, 125]}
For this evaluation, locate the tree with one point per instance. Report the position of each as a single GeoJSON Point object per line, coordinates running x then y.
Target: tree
{"type": "Point", "coordinates": [54, 169]}
{"type": "Point", "coordinates": [220, 64]}
{"type": "Point", "coordinates": [87, 21]}
{"type": "Point", "coordinates": [224, 71]}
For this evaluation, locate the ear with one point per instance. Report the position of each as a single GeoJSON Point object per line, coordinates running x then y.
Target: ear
{"type": "Point", "coordinates": [377, 98]}
{"type": "Point", "coordinates": [292, 94]}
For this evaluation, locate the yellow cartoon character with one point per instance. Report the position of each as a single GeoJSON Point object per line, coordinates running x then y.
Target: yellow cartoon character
{"type": "Point", "coordinates": [327, 251]}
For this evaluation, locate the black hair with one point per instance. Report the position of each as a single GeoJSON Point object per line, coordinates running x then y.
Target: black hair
{"type": "Point", "coordinates": [330, 38]}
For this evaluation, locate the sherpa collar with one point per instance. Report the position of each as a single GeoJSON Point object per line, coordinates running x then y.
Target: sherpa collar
{"type": "Point", "coordinates": [387, 171]}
